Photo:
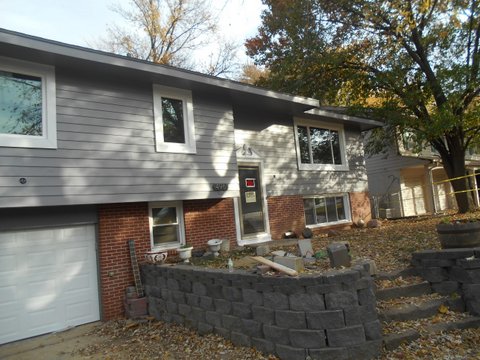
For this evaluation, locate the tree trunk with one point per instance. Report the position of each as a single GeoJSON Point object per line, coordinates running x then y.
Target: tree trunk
{"type": "Point", "coordinates": [454, 165]}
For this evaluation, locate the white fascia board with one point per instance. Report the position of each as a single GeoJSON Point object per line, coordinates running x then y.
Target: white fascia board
{"type": "Point", "coordinates": [58, 48]}
{"type": "Point", "coordinates": [354, 119]}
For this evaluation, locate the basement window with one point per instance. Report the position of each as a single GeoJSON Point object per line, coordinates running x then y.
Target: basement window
{"type": "Point", "coordinates": [326, 210]}
{"type": "Point", "coordinates": [166, 225]}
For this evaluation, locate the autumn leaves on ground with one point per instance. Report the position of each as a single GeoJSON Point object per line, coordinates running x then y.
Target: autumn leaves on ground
{"type": "Point", "coordinates": [390, 245]}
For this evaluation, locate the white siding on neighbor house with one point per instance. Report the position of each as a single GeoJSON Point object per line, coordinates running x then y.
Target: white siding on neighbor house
{"type": "Point", "coordinates": [385, 182]}
{"type": "Point", "coordinates": [106, 151]}
{"type": "Point", "coordinates": [384, 171]}
{"type": "Point", "coordinates": [276, 146]}
{"type": "Point", "coordinates": [442, 191]}
{"type": "Point", "coordinates": [414, 191]}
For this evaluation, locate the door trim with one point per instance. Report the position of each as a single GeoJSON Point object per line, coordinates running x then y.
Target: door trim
{"type": "Point", "coordinates": [263, 236]}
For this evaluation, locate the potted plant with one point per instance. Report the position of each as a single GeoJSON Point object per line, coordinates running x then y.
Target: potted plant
{"type": "Point", "coordinates": [459, 233]}
{"type": "Point", "coordinates": [214, 245]}
{"type": "Point", "coordinates": [185, 253]}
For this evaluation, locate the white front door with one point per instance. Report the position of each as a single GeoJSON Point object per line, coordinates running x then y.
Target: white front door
{"type": "Point", "coordinates": [48, 281]}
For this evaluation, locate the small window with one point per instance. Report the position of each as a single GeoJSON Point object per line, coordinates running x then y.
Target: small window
{"type": "Point", "coordinates": [27, 104]}
{"type": "Point", "coordinates": [166, 225]}
{"type": "Point", "coordinates": [326, 210]}
{"type": "Point", "coordinates": [320, 147]}
{"type": "Point", "coordinates": [174, 124]}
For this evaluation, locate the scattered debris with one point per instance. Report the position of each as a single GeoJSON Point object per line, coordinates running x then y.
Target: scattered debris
{"type": "Point", "coordinates": [275, 266]}
{"type": "Point", "coordinates": [369, 263]}
{"type": "Point", "coordinates": [262, 250]}
{"type": "Point", "coordinates": [305, 248]}
{"type": "Point", "coordinates": [374, 223]}
{"type": "Point", "coordinates": [307, 233]}
{"type": "Point", "coordinates": [292, 262]}
{"type": "Point", "coordinates": [339, 256]}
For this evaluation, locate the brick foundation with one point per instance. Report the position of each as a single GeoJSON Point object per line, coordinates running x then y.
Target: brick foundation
{"type": "Point", "coordinates": [209, 219]}
{"type": "Point", "coordinates": [118, 223]}
{"type": "Point", "coordinates": [285, 214]}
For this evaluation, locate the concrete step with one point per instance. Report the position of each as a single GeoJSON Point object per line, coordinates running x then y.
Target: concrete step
{"type": "Point", "coordinates": [422, 288]}
{"type": "Point", "coordinates": [392, 341]}
{"type": "Point", "coordinates": [396, 274]}
{"type": "Point", "coordinates": [419, 311]}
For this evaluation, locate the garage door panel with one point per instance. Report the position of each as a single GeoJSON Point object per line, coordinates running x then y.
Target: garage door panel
{"type": "Point", "coordinates": [8, 295]}
{"type": "Point", "coordinates": [47, 282]}
{"type": "Point", "coordinates": [79, 312]}
{"type": "Point", "coordinates": [41, 288]}
{"type": "Point", "coordinates": [75, 254]}
{"type": "Point", "coordinates": [82, 283]}
{"type": "Point", "coordinates": [8, 264]}
{"type": "Point", "coordinates": [43, 320]}
{"type": "Point", "coordinates": [41, 260]}
{"type": "Point", "coordinates": [9, 327]}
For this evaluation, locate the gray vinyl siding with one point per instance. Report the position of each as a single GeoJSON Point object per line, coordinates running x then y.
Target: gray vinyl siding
{"type": "Point", "coordinates": [276, 145]}
{"type": "Point", "coordinates": [106, 151]}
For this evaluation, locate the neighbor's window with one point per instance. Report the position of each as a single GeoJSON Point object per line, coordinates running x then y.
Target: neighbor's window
{"type": "Point", "coordinates": [174, 125]}
{"type": "Point", "coordinates": [166, 225]}
{"type": "Point", "coordinates": [320, 147]}
{"type": "Point", "coordinates": [27, 104]}
{"type": "Point", "coordinates": [326, 209]}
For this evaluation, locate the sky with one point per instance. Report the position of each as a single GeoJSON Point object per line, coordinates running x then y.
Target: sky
{"type": "Point", "coordinates": [82, 22]}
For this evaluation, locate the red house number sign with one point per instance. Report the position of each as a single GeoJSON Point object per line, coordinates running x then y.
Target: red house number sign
{"type": "Point", "coordinates": [250, 182]}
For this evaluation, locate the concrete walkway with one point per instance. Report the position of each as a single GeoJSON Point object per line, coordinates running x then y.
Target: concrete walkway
{"type": "Point", "coordinates": [58, 345]}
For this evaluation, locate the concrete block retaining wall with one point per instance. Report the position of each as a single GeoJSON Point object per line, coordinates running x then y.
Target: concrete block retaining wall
{"type": "Point", "coordinates": [327, 316]}
{"type": "Point", "coordinates": [452, 271]}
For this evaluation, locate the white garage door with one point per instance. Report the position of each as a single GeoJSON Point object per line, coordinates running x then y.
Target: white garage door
{"type": "Point", "coordinates": [48, 281]}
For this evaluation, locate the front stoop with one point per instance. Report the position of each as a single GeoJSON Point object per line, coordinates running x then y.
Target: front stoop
{"type": "Point", "coordinates": [416, 310]}
{"type": "Point", "coordinates": [393, 341]}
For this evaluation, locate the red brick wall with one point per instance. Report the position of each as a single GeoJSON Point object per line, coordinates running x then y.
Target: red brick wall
{"type": "Point", "coordinates": [360, 204]}
{"type": "Point", "coordinates": [285, 213]}
{"type": "Point", "coordinates": [118, 223]}
{"type": "Point", "coordinates": [209, 219]}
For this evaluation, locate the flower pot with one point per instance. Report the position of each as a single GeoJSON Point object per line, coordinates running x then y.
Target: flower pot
{"type": "Point", "coordinates": [185, 254]}
{"type": "Point", "coordinates": [459, 235]}
{"type": "Point", "coordinates": [214, 246]}
{"type": "Point", "coordinates": [156, 257]}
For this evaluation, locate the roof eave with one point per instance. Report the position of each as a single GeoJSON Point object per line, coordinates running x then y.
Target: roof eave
{"type": "Point", "coordinates": [363, 123]}
{"type": "Point", "coordinates": [96, 56]}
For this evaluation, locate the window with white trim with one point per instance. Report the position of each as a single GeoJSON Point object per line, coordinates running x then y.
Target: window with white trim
{"type": "Point", "coordinates": [27, 104]}
{"type": "Point", "coordinates": [166, 225]}
{"type": "Point", "coordinates": [326, 210]}
{"type": "Point", "coordinates": [174, 124]}
{"type": "Point", "coordinates": [320, 146]}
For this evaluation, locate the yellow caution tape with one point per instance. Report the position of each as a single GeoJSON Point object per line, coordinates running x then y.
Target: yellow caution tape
{"type": "Point", "coordinates": [463, 191]}
{"type": "Point", "coordinates": [452, 179]}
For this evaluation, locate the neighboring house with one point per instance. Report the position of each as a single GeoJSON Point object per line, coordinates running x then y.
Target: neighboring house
{"type": "Point", "coordinates": [403, 182]}
{"type": "Point", "coordinates": [97, 149]}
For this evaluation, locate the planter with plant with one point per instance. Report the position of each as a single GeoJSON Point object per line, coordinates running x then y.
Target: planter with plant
{"type": "Point", "coordinates": [185, 253]}
{"type": "Point", "coordinates": [456, 233]}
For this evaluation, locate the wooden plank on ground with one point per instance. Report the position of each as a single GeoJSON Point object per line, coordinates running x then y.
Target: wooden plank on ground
{"type": "Point", "coordinates": [275, 266]}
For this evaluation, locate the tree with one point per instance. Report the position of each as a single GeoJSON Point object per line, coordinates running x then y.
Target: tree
{"type": "Point", "coordinates": [168, 32]}
{"type": "Point", "coordinates": [419, 60]}
{"type": "Point", "coordinates": [252, 74]}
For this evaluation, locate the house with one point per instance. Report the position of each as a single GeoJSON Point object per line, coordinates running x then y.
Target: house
{"type": "Point", "coordinates": [404, 182]}
{"type": "Point", "coordinates": [97, 149]}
